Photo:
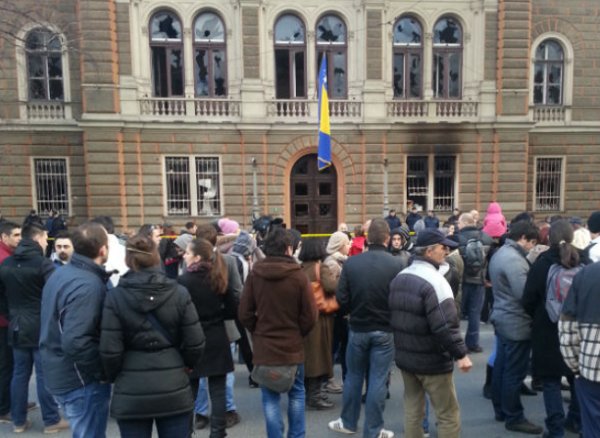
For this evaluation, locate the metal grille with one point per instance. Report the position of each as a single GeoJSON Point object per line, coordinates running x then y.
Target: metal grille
{"type": "Point", "coordinates": [548, 184]}
{"type": "Point", "coordinates": [51, 184]}
{"type": "Point", "coordinates": [177, 170]}
{"type": "Point", "coordinates": [416, 178]}
{"type": "Point", "coordinates": [443, 183]}
{"type": "Point", "coordinates": [209, 189]}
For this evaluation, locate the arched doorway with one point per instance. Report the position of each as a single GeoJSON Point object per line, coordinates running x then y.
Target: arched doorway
{"type": "Point", "coordinates": [313, 197]}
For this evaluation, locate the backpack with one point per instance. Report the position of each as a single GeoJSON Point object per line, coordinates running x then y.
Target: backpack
{"type": "Point", "coordinates": [585, 254]}
{"type": "Point", "coordinates": [558, 283]}
{"type": "Point", "coordinates": [474, 257]}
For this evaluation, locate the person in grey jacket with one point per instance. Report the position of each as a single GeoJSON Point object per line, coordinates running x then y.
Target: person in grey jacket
{"type": "Point", "coordinates": [508, 273]}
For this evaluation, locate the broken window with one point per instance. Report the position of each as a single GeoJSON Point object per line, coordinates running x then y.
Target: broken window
{"type": "Point", "coordinates": [431, 182]}
{"type": "Point", "coordinates": [51, 184]}
{"type": "Point", "coordinates": [548, 184]}
{"type": "Point", "coordinates": [548, 74]}
{"type": "Point", "coordinates": [167, 55]}
{"type": "Point", "coordinates": [290, 58]}
{"type": "Point", "coordinates": [332, 42]}
{"type": "Point", "coordinates": [44, 65]}
{"type": "Point", "coordinates": [447, 59]}
{"type": "Point", "coordinates": [408, 50]}
{"type": "Point", "coordinates": [210, 56]}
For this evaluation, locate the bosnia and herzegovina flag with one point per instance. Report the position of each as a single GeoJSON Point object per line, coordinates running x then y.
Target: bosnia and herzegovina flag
{"type": "Point", "coordinates": [324, 150]}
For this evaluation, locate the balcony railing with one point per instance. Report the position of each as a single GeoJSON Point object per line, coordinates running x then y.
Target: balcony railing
{"type": "Point", "coordinates": [193, 108]}
{"type": "Point", "coordinates": [434, 110]}
{"type": "Point", "coordinates": [549, 114]}
{"type": "Point", "coordinates": [45, 110]}
{"type": "Point", "coordinates": [304, 109]}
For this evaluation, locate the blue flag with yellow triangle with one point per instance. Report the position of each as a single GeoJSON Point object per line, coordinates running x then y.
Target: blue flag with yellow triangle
{"type": "Point", "coordinates": [324, 149]}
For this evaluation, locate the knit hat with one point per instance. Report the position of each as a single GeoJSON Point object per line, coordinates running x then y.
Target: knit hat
{"type": "Point", "coordinates": [594, 222]}
{"type": "Point", "coordinates": [228, 226]}
{"type": "Point", "coordinates": [244, 244]}
{"type": "Point", "coordinates": [183, 240]}
{"type": "Point", "coordinates": [337, 241]}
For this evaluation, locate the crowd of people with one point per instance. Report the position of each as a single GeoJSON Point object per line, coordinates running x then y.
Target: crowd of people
{"type": "Point", "coordinates": [145, 328]}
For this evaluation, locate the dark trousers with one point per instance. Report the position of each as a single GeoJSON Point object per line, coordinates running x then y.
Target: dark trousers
{"type": "Point", "coordinates": [340, 342]}
{"type": "Point", "coordinates": [218, 403]}
{"type": "Point", "coordinates": [168, 427]}
{"type": "Point", "coordinates": [555, 412]}
{"type": "Point", "coordinates": [6, 371]}
{"type": "Point", "coordinates": [588, 393]}
{"type": "Point", "coordinates": [245, 347]}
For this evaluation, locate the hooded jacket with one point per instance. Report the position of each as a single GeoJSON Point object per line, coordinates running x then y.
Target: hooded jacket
{"type": "Point", "coordinates": [147, 367]}
{"type": "Point", "coordinates": [22, 278]}
{"type": "Point", "coordinates": [279, 309]}
{"type": "Point", "coordinates": [494, 223]}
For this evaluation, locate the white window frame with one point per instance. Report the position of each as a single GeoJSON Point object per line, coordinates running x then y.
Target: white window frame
{"type": "Point", "coordinates": [563, 173]}
{"type": "Point", "coordinates": [193, 184]}
{"type": "Point", "coordinates": [22, 76]}
{"type": "Point", "coordinates": [34, 189]}
{"type": "Point", "coordinates": [431, 179]}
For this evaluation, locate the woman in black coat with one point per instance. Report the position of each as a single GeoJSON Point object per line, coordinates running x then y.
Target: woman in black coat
{"type": "Point", "coordinates": [547, 361]}
{"type": "Point", "coordinates": [206, 280]}
{"type": "Point", "coordinates": [150, 338]}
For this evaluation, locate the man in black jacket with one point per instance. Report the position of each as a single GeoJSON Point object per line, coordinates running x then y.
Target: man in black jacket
{"type": "Point", "coordinates": [427, 337]}
{"type": "Point", "coordinates": [22, 277]}
{"type": "Point", "coordinates": [72, 303]}
{"type": "Point", "coordinates": [363, 292]}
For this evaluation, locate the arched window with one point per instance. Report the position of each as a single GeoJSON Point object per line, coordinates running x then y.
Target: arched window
{"type": "Point", "coordinates": [210, 56]}
{"type": "Point", "coordinates": [447, 59]}
{"type": "Point", "coordinates": [548, 74]}
{"type": "Point", "coordinates": [290, 57]}
{"type": "Point", "coordinates": [408, 56]}
{"type": "Point", "coordinates": [166, 45]}
{"type": "Point", "coordinates": [44, 65]}
{"type": "Point", "coordinates": [331, 39]}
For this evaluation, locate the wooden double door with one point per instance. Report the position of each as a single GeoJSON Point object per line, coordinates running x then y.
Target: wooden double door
{"type": "Point", "coordinates": [313, 197]}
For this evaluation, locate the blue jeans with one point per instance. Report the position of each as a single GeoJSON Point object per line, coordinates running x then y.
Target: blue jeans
{"type": "Point", "coordinates": [167, 427]}
{"type": "Point", "coordinates": [510, 368]}
{"type": "Point", "coordinates": [86, 408]}
{"type": "Point", "coordinates": [201, 403]}
{"type": "Point", "coordinates": [555, 413]}
{"type": "Point", "coordinates": [272, 409]}
{"type": "Point", "coordinates": [377, 350]}
{"type": "Point", "coordinates": [24, 359]}
{"type": "Point", "coordinates": [588, 394]}
{"type": "Point", "coordinates": [472, 298]}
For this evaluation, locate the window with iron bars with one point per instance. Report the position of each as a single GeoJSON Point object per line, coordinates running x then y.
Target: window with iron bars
{"type": "Point", "coordinates": [51, 183]}
{"type": "Point", "coordinates": [549, 180]}
{"type": "Point", "coordinates": [193, 186]}
{"type": "Point", "coordinates": [431, 182]}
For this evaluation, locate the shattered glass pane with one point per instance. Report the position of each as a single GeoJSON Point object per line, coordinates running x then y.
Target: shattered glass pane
{"type": "Point", "coordinates": [35, 66]}
{"type": "Point", "coordinates": [37, 89]}
{"type": "Point", "coordinates": [209, 27]}
{"type": "Point", "coordinates": [338, 90]}
{"type": "Point", "coordinates": [447, 31]}
{"type": "Point", "coordinates": [165, 27]}
{"type": "Point", "coordinates": [219, 72]}
{"type": "Point", "coordinates": [289, 28]}
{"type": "Point", "coordinates": [331, 29]}
{"type": "Point", "coordinates": [202, 73]}
{"type": "Point", "coordinates": [56, 89]}
{"type": "Point", "coordinates": [407, 31]}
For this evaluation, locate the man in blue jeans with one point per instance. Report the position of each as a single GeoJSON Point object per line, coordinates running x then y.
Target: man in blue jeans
{"type": "Point", "coordinates": [22, 277]}
{"type": "Point", "coordinates": [508, 272]}
{"type": "Point", "coordinates": [363, 292]}
{"type": "Point", "coordinates": [72, 303]}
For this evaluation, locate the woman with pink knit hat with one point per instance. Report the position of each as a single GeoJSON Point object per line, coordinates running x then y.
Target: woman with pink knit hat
{"type": "Point", "coordinates": [494, 223]}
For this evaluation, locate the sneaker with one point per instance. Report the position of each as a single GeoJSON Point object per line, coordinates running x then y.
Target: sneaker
{"type": "Point", "coordinates": [525, 427]}
{"type": "Point", "coordinates": [526, 391]}
{"type": "Point", "coordinates": [31, 406]}
{"type": "Point", "coordinates": [231, 419]}
{"type": "Point", "coordinates": [55, 428]}
{"type": "Point", "coordinates": [319, 404]}
{"type": "Point", "coordinates": [252, 383]}
{"type": "Point", "coordinates": [201, 421]}
{"type": "Point", "coordinates": [333, 388]}
{"type": "Point", "coordinates": [5, 419]}
{"type": "Point", "coordinates": [475, 349]}
{"type": "Point", "coordinates": [383, 433]}
{"type": "Point", "coordinates": [22, 428]}
{"type": "Point", "coordinates": [338, 426]}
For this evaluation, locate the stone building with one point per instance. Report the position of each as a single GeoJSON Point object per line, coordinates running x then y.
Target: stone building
{"type": "Point", "coordinates": [149, 110]}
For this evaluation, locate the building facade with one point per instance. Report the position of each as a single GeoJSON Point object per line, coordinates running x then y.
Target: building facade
{"type": "Point", "coordinates": [148, 110]}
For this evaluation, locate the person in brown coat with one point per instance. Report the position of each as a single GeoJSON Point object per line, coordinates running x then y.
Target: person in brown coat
{"type": "Point", "coordinates": [278, 309]}
{"type": "Point", "coordinates": [318, 366]}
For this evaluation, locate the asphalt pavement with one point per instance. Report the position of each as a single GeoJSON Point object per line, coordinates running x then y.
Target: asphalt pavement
{"type": "Point", "coordinates": [476, 412]}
